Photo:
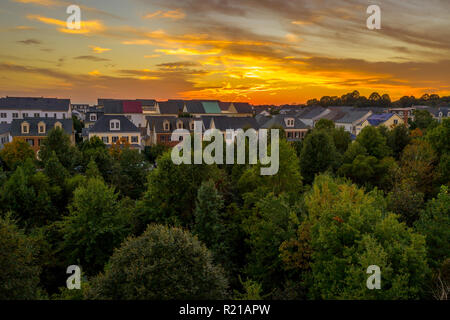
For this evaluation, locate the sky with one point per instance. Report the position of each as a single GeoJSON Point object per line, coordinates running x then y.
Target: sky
{"type": "Point", "coordinates": [257, 51]}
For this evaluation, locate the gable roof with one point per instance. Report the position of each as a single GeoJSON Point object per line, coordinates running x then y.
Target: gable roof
{"type": "Point", "coordinates": [211, 107]}
{"type": "Point", "coordinates": [223, 123]}
{"type": "Point", "coordinates": [377, 119]}
{"type": "Point", "coordinates": [194, 107]}
{"type": "Point", "coordinates": [243, 107]}
{"type": "Point", "coordinates": [157, 123]}
{"type": "Point", "coordinates": [311, 112]}
{"type": "Point", "coordinates": [113, 107]}
{"type": "Point", "coordinates": [102, 125]}
{"type": "Point", "coordinates": [170, 107]}
{"type": "Point", "coordinates": [16, 126]}
{"type": "Point", "coordinates": [279, 120]}
{"type": "Point", "coordinates": [352, 116]}
{"type": "Point", "coordinates": [30, 103]}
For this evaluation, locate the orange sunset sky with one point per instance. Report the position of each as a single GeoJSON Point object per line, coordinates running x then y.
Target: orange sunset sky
{"type": "Point", "coordinates": [260, 51]}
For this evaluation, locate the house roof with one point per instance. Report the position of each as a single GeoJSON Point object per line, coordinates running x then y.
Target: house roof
{"type": "Point", "coordinates": [376, 119]}
{"type": "Point", "coordinates": [113, 106]}
{"type": "Point", "coordinates": [224, 106]}
{"type": "Point", "coordinates": [223, 123]}
{"type": "Point", "coordinates": [311, 112]}
{"type": "Point", "coordinates": [243, 107]}
{"type": "Point", "coordinates": [157, 123]}
{"type": "Point", "coordinates": [170, 107]}
{"type": "Point", "coordinates": [102, 125]}
{"type": "Point", "coordinates": [30, 103]}
{"type": "Point", "coordinates": [5, 128]}
{"type": "Point", "coordinates": [280, 120]}
{"type": "Point", "coordinates": [194, 107]}
{"type": "Point", "coordinates": [352, 116]}
{"type": "Point", "coordinates": [211, 107]}
{"type": "Point", "coordinates": [16, 126]}
{"type": "Point", "coordinates": [132, 106]}
{"type": "Point", "coordinates": [147, 102]}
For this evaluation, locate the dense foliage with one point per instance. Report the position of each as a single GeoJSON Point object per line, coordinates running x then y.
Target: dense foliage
{"type": "Point", "coordinates": [142, 227]}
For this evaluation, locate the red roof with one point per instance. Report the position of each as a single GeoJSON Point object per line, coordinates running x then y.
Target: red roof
{"type": "Point", "coordinates": [132, 107]}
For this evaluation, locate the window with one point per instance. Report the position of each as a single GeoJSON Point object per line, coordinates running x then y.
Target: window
{"type": "Point", "coordinates": [41, 127]}
{"type": "Point", "coordinates": [192, 125]}
{"type": "Point", "coordinates": [134, 139]}
{"type": "Point", "coordinates": [395, 121]}
{"type": "Point", "coordinates": [105, 139]}
{"type": "Point", "coordinates": [55, 115]}
{"type": "Point", "coordinates": [290, 122]}
{"type": "Point", "coordinates": [93, 117]}
{"type": "Point", "coordinates": [2, 115]}
{"type": "Point", "coordinates": [30, 142]}
{"type": "Point", "coordinates": [25, 128]}
{"type": "Point", "coordinates": [163, 138]}
{"type": "Point", "coordinates": [36, 115]}
{"type": "Point", "coordinates": [64, 115]}
{"type": "Point", "coordinates": [46, 115]}
{"type": "Point", "coordinates": [58, 125]}
{"type": "Point", "coordinates": [114, 125]}
{"type": "Point", "coordinates": [166, 125]}
{"type": "Point", "coordinates": [15, 115]}
{"type": "Point", "coordinates": [114, 139]}
{"type": "Point", "coordinates": [179, 125]}
{"type": "Point", "coordinates": [25, 115]}
{"type": "Point", "coordinates": [129, 118]}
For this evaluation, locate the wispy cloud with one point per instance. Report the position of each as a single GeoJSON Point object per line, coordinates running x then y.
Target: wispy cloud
{"type": "Point", "coordinates": [171, 14]}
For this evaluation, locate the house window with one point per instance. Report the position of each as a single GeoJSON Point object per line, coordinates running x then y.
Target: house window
{"type": "Point", "coordinates": [166, 126]}
{"type": "Point", "coordinates": [64, 115]}
{"type": "Point", "coordinates": [46, 115]}
{"type": "Point", "coordinates": [55, 115]}
{"type": "Point", "coordinates": [36, 115]}
{"type": "Point", "coordinates": [179, 125]}
{"type": "Point", "coordinates": [105, 139]}
{"type": "Point", "coordinates": [395, 121]}
{"type": "Point", "coordinates": [41, 127]}
{"type": "Point", "coordinates": [134, 139]}
{"type": "Point", "coordinates": [25, 128]}
{"type": "Point", "coordinates": [114, 125]}
{"type": "Point", "coordinates": [58, 125]}
{"type": "Point", "coordinates": [2, 115]}
{"type": "Point", "coordinates": [30, 142]}
{"type": "Point", "coordinates": [114, 139]}
{"type": "Point", "coordinates": [15, 115]}
{"type": "Point", "coordinates": [163, 138]}
{"type": "Point", "coordinates": [25, 115]}
{"type": "Point", "coordinates": [290, 122]}
{"type": "Point", "coordinates": [93, 117]}
{"type": "Point", "coordinates": [192, 125]}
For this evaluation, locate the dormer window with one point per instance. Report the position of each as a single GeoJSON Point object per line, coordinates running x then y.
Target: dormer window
{"type": "Point", "coordinates": [93, 117]}
{"type": "Point", "coordinates": [41, 127]}
{"type": "Point", "coordinates": [114, 125]}
{"type": "Point", "coordinates": [166, 125]}
{"type": "Point", "coordinates": [192, 125]}
{"type": "Point", "coordinates": [58, 125]}
{"type": "Point", "coordinates": [179, 125]}
{"type": "Point", "coordinates": [290, 122]}
{"type": "Point", "coordinates": [25, 128]}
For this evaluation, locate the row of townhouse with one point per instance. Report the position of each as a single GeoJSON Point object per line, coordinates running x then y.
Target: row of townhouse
{"type": "Point", "coordinates": [30, 119]}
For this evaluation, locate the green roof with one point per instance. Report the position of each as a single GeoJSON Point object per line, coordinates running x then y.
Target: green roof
{"type": "Point", "coordinates": [211, 107]}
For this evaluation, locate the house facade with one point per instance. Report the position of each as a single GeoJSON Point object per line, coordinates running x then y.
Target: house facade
{"type": "Point", "coordinates": [5, 136]}
{"type": "Point", "coordinates": [35, 130]}
{"type": "Point", "coordinates": [389, 120]}
{"type": "Point", "coordinates": [13, 108]}
{"type": "Point", "coordinates": [113, 128]}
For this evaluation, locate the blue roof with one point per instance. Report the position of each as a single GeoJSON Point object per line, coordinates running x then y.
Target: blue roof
{"type": "Point", "coordinates": [376, 119]}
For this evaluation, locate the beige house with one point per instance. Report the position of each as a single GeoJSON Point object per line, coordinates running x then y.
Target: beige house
{"type": "Point", "coordinates": [389, 120]}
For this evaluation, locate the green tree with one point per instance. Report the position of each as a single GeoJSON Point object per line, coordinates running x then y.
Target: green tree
{"type": "Point", "coordinates": [59, 142]}
{"type": "Point", "coordinates": [16, 153]}
{"type": "Point", "coordinates": [318, 155]}
{"type": "Point", "coordinates": [398, 138]}
{"type": "Point", "coordinates": [324, 124]}
{"type": "Point", "coordinates": [19, 278]}
{"type": "Point", "coordinates": [422, 119]}
{"type": "Point", "coordinates": [162, 264]}
{"type": "Point", "coordinates": [434, 224]}
{"type": "Point", "coordinates": [374, 142]}
{"type": "Point", "coordinates": [94, 227]}
{"type": "Point", "coordinates": [349, 230]}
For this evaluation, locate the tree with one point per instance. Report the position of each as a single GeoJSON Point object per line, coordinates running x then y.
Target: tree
{"type": "Point", "coordinates": [398, 138]}
{"type": "Point", "coordinates": [19, 276]}
{"type": "Point", "coordinates": [439, 137]}
{"type": "Point", "coordinates": [324, 124]}
{"type": "Point", "coordinates": [434, 224]}
{"type": "Point", "coordinates": [406, 201]}
{"type": "Point", "coordinates": [349, 230]}
{"type": "Point", "coordinates": [16, 153]}
{"type": "Point", "coordinates": [374, 142]}
{"type": "Point", "coordinates": [422, 119]}
{"type": "Point", "coordinates": [272, 222]}
{"type": "Point", "coordinates": [318, 155]}
{"type": "Point", "coordinates": [95, 225]}
{"type": "Point", "coordinates": [59, 142]}
{"type": "Point", "coordinates": [162, 264]}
